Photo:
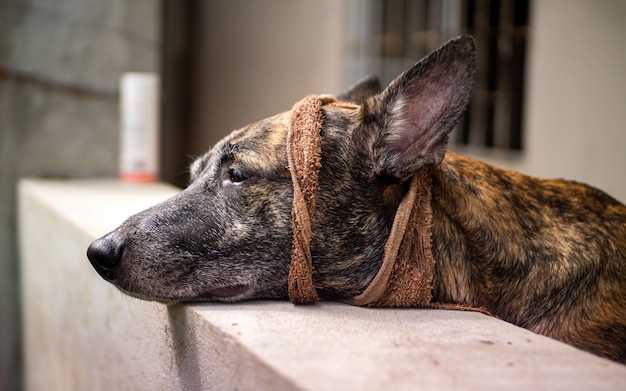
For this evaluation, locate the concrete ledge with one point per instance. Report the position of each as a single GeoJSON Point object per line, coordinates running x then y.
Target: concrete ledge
{"type": "Point", "coordinates": [81, 333]}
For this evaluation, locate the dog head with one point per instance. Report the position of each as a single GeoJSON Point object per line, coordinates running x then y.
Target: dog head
{"type": "Point", "coordinates": [228, 236]}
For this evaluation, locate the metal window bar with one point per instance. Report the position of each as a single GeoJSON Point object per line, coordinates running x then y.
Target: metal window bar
{"type": "Point", "coordinates": [495, 117]}
{"type": "Point", "coordinates": [395, 33]}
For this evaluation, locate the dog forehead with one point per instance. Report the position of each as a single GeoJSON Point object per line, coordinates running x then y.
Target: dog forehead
{"type": "Point", "coordinates": [269, 133]}
{"type": "Point", "coordinates": [272, 132]}
{"type": "Point", "coordinates": [264, 137]}
{"type": "Point", "coordinates": [262, 144]}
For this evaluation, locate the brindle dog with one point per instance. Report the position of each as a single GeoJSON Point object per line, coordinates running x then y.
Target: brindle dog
{"type": "Point", "coordinates": [547, 255]}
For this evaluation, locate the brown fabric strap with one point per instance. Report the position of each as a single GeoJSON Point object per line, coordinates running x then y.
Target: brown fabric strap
{"type": "Point", "coordinates": [405, 278]}
{"type": "Point", "coordinates": [406, 275]}
{"type": "Point", "coordinates": [304, 145]}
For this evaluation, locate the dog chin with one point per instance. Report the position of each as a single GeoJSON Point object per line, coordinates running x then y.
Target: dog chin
{"type": "Point", "coordinates": [141, 296]}
{"type": "Point", "coordinates": [226, 293]}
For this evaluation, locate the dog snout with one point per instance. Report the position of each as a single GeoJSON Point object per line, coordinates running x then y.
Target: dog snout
{"type": "Point", "coordinates": [105, 254]}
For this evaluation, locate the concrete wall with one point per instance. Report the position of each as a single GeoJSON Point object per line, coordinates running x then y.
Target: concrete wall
{"type": "Point", "coordinates": [576, 92]}
{"type": "Point", "coordinates": [59, 65]}
{"type": "Point", "coordinates": [81, 333]}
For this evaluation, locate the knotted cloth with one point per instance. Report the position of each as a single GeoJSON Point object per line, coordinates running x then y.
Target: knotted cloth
{"type": "Point", "coordinates": [304, 154]}
{"type": "Point", "coordinates": [406, 276]}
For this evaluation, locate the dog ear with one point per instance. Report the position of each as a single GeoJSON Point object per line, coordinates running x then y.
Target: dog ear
{"type": "Point", "coordinates": [361, 90]}
{"type": "Point", "coordinates": [407, 125]}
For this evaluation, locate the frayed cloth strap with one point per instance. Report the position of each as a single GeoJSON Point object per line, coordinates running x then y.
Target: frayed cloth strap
{"type": "Point", "coordinates": [405, 278]}
{"type": "Point", "coordinates": [304, 145]}
{"type": "Point", "coordinates": [406, 275]}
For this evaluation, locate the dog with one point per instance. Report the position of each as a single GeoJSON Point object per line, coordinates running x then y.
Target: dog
{"type": "Point", "coordinates": [547, 255]}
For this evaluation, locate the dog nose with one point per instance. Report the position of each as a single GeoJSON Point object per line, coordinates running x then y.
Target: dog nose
{"type": "Point", "coordinates": [105, 254]}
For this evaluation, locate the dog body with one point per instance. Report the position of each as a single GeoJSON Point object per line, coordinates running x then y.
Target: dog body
{"type": "Point", "coordinates": [546, 255]}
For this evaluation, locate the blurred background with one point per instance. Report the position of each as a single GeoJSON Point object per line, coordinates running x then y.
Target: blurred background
{"type": "Point", "coordinates": [549, 99]}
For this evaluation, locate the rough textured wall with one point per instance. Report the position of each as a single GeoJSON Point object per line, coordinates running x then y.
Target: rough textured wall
{"type": "Point", "coordinates": [59, 67]}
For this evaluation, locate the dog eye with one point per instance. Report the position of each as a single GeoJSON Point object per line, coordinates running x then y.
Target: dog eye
{"type": "Point", "coordinates": [236, 176]}
{"type": "Point", "coordinates": [232, 175]}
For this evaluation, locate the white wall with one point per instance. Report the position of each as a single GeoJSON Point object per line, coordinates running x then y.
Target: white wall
{"type": "Point", "coordinates": [576, 101]}
{"type": "Point", "coordinates": [256, 58]}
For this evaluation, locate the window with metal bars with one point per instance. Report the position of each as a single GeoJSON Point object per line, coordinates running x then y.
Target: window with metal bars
{"type": "Point", "coordinates": [387, 36]}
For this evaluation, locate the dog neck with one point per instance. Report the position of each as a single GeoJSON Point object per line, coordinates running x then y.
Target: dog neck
{"type": "Point", "coordinates": [405, 277]}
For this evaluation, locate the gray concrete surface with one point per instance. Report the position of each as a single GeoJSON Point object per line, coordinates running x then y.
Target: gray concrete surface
{"type": "Point", "coordinates": [81, 333]}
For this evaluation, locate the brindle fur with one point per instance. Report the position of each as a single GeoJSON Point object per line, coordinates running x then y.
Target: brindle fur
{"type": "Point", "coordinates": [547, 255]}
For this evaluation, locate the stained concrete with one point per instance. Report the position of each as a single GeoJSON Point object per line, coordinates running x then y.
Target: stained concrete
{"type": "Point", "coordinates": [82, 333]}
